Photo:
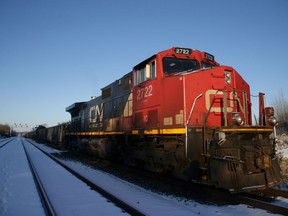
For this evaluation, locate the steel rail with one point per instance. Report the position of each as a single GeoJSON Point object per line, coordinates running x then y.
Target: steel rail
{"type": "Point", "coordinates": [276, 192]}
{"type": "Point", "coordinates": [116, 200]}
{"type": "Point", "coordinates": [2, 145]}
{"type": "Point", "coordinates": [43, 195]}
{"type": "Point", "coordinates": [256, 201]}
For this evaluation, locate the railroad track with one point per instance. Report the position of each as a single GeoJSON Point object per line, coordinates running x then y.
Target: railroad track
{"type": "Point", "coordinates": [4, 142]}
{"type": "Point", "coordinates": [273, 200]}
{"type": "Point", "coordinates": [47, 202]}
{"type": "Point", "coordinates": [274, 192]}
{"type": "Point", "coordinates": [43, 195]}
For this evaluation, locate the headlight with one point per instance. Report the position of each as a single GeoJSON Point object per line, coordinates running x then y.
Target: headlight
{"type": "Point", "coordinates": [272, 121]}
{"type": "Point", "coordinates": [269, 115]}
{"type": "Point", "coordinates": [228, 77]}
{"type": "Point", "coordinates": [237, 119]}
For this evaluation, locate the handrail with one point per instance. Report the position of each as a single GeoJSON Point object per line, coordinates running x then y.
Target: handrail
{"type": "Point", "coordinates": [187, 122]}
{"type": "Point", "coordinates": [243, 108]}
{"type": "Point", "coordinates": [192, 108]}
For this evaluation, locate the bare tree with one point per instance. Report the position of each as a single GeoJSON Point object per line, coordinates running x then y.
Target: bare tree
{"type": "Point", "coordinates": [6, 130]}
{"type": "Point", "coordinates": [281, 111]}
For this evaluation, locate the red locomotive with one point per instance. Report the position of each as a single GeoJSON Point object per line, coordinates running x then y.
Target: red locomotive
{"type": "Point", "coordinates": [180, 112]}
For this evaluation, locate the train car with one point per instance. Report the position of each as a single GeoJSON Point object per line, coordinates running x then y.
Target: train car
{"type": "Point", "coordinates": [180, 112]}
{"type": "Point", "coordinates": [55, 134]}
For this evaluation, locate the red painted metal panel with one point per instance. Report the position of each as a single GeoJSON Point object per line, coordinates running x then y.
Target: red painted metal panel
{"type": "Point", "coordinates": [207, 96]}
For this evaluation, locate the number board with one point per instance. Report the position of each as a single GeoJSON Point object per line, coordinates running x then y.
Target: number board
{"type": "Point", "coordinates": [209, 56]}
{"type": "Point", "coordinates": [185, 51]}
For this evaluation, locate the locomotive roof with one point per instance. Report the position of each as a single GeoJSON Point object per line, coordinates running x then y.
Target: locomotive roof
{"type": "Point", "coordinates": [143, 63]}
{"type": "Point", "coordinates": [76, 106]}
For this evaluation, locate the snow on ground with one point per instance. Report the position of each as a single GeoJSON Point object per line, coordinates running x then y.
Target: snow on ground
{"type": "Point", "coordinates": [282, 152]}
{"type": "Point", "coordinates": [18, 193]}
{"type": "Point", "coordinates": [282, 146]}
{"type": "Point", "coordinates": [67, 194]}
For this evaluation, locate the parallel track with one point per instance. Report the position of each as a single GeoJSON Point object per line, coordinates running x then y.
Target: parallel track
{"type": "Point", "coordinates": [273, 192]}
{"type": "Point", "coordinates": [117, 201]}
{"type": "Point", "coordinates": [44, 198]}
{"type": "Point", "coordinates": [265, 200]}
{"type": "Point", "coordinates": [5, 142]}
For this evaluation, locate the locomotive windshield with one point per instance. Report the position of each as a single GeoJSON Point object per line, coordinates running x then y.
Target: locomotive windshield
{"type": "Point", "coordinates": [207, 65]}
{"type": "Point", "coordinates": [174, 65]}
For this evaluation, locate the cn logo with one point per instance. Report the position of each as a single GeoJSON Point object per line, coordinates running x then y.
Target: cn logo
{"type": "Point", "coordinates": [218, 95]}
{"type": "Point", "coordinates": [96, 113]}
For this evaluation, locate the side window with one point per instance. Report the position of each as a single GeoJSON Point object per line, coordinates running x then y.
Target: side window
{"type": "Point", "coordinates": [146, 73]}
{"type": "Point", "coordinates": [106, 93]}
{"type": "Point", "coordinates": [127, 82]}
{"type": "Point", "coordinates": [143, 75]}
{"type": "Point", "coordinates": [135, 78]}
{"type": "Point", "coordinates": [153, 70]}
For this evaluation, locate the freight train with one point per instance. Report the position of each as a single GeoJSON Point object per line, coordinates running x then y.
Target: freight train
{"type": "Point", "coordinates": [180, 113]}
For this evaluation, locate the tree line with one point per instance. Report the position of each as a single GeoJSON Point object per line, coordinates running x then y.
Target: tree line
{"type": "Point", "coordinates": [280, 104]}
{"type": "Point", "coordinates": [6, 130]}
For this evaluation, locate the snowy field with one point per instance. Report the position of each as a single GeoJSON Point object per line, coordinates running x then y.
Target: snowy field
{"type": "Point", "coordinates": [283, 146]}
{"type": "Point", "coordinates": [15, 201]}
{"type": "Point", "coordinates": [282, 151]}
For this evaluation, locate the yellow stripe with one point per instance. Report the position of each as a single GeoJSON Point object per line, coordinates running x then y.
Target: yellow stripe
{"type": "Point", "coordinates": [174, 131]}
{"type": "Point", "coordinates": [246, 129]}
{"type": "Point", "coordinates": [104, 133]}
{"type": "Point", "coordinates": [168, 131]}
{"type": "Point", "coordinates": [99, 133]}
{"type": "Point", "coordinates": [134, 132]}
{"type": "Point", "coordinates": [160, 131]}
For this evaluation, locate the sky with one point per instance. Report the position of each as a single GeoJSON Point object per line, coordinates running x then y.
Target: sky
{"type": "Point", "coordinates": [58, 52]}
